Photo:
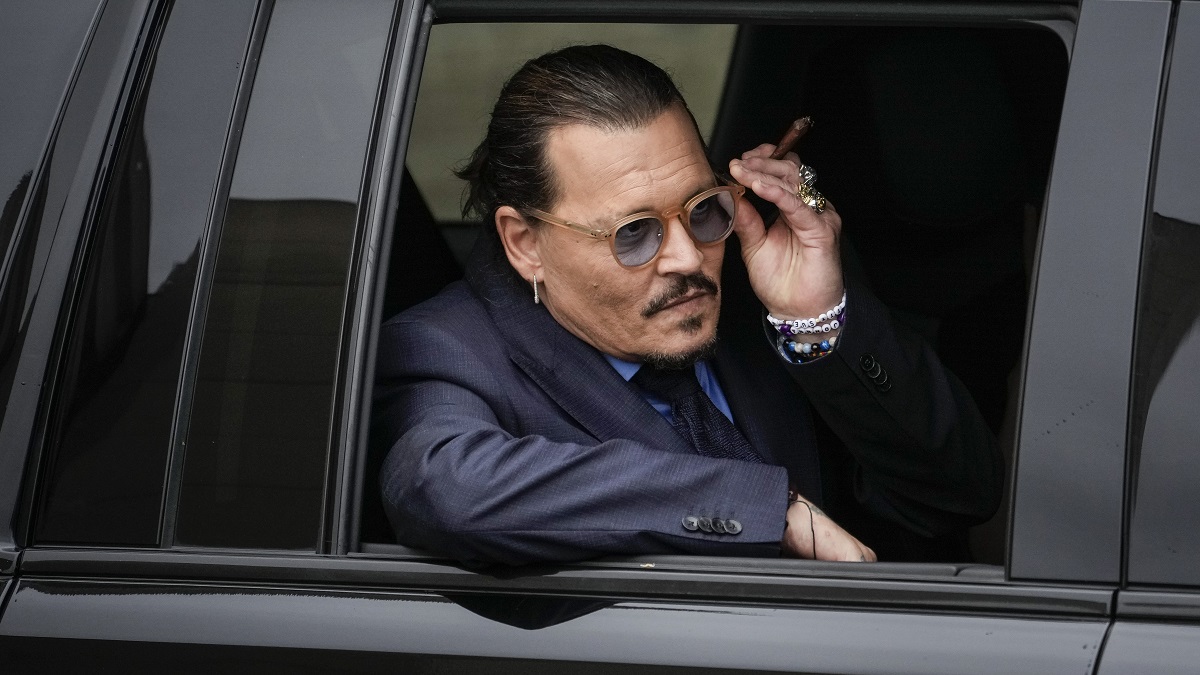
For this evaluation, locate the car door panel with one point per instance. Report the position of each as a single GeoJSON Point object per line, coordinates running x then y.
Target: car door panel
{"type": "Point", "coordinates": [96, 619]}
{"type": "Point", "coordinates": [1151, 648]}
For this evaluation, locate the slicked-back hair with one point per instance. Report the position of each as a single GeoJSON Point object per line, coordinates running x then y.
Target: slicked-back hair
{"type": "Point", "coordinates": [595, 85]}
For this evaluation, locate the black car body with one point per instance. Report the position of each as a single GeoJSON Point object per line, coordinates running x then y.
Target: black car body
{"type": "Point", "coordinates": [206, 212]}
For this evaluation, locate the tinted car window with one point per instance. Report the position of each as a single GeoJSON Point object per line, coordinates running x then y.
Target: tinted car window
{"type": "Point", "coordinates": [258, 442]}
{"type": "Point", "coordinates": [39, 44]}
{"type": "Point", "coordinates": [112, 431]}
{"type": "Point", "coordinates": [1163, 547]}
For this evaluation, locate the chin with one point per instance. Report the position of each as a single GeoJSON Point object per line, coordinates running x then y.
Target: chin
{"type": "Point", "coordinates": [696, 344]}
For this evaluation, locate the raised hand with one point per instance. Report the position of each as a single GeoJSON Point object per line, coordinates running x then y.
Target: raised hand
{"type": "Point", "coordinates": [794, 265]}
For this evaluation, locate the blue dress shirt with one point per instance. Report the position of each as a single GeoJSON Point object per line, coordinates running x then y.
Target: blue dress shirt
{"type": "Point", "coordinates": [708, 382]}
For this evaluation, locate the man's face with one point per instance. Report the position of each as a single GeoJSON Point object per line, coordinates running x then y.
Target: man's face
{"type": "Point", "coordinates": [666, 310]}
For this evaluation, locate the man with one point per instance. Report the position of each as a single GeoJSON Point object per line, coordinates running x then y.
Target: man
{"type": "Point", "coordinates": [545, 408]}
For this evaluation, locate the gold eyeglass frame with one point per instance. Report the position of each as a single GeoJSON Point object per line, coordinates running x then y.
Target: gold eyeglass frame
{"type": "Point", "coordinates": [664, 217]}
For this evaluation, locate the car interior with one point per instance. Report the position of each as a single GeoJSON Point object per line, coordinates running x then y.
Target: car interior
{"type": "Point", "coordinates": [935, 146]}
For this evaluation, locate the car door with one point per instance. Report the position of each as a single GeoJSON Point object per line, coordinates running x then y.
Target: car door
{"type": "Point", "coordinates": [235, 408]}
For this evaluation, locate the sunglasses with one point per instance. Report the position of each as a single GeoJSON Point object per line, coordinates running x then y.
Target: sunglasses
{"type": "Point", "coordinates": [637, 239]}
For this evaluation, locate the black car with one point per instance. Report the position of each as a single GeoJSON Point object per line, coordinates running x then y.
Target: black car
{"type": "Point", "coordinates": [210, 205]}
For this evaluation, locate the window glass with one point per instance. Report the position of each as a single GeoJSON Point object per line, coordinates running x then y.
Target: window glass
{"type": "Point", "coordinates": [39, 44]}
{"type": "Point", "coordinates": [257, 447]}
{"type": "Point", "coordinates": [1163, 547]}
{"type": "Point", "coordinates": [112, 432]}
{"type": "Point", "coordinates": [455, 103]}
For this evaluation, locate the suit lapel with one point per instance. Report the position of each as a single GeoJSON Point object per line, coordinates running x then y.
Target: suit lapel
{"type": "Point", "coordinates": [572, 373]}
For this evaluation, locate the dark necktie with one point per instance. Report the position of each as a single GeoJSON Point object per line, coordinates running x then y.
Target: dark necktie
{"type": "Point", "coordinates": [693, 414]}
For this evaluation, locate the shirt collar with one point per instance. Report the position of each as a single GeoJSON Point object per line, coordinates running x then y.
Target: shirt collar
{"type": "Point", "coordinates": [627, 369]}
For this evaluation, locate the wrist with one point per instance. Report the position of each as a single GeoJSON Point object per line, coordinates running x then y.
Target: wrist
{"type": "Point", "coordinates": [808, 339]}
{"type": "Point", "coordinates": [813, 305]}
{"type": "Point", "coordinates": [799, 533]}
{"type": "Point", "coordinates": [829, 319]}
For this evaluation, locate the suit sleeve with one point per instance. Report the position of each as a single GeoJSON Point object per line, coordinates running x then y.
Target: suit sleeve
{"type": "Point", "coordinates": [462, 480]}
{"type": "Point", "coordinates": [925, 457]}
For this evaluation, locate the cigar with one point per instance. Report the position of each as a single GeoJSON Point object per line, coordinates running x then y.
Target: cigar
{"type": "Point", "coordinates": [792, 136]}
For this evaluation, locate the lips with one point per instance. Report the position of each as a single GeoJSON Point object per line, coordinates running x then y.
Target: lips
{"type": "Point", "coordinates": [682, 289]}
{"type": "Point", "coordinates": [687, 298]}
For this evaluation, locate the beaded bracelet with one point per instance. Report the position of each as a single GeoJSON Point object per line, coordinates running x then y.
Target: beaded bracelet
{"type": "Point", "coordinates": [787, 329]}
{"type": "Point", "coordinates": [810, 351]}
{"type": "Point", "coordinates": [824, 323]}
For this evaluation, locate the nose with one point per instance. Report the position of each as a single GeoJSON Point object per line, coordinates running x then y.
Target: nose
{"type": "Point", "coordinates": [679, 253]}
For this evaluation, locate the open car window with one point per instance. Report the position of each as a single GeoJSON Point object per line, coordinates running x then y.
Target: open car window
{"type": "Point", "coordinates": [935, 143]}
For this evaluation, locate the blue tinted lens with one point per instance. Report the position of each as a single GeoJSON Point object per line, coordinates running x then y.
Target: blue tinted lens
{"type": "Point", "coordinates": [637, 242]}
{"type": "Point", "coordinates": [712, 218]}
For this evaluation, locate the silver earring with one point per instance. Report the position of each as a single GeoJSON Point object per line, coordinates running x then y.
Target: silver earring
{"type": "Point", "coordinates": [536, 299]}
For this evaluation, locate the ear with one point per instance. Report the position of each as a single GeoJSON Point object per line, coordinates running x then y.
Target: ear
{"type": "Point", "coordinates": [520, 242]}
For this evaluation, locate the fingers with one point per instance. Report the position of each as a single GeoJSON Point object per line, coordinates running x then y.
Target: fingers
{"type": "Point", "coordinates": [763, 150]}
{"type": "Point", "coordinates": [776, 181]}
{"type": "Point", "coordinates": [794, 262]}
{"type": "Point", "coordinates": [760, 165]}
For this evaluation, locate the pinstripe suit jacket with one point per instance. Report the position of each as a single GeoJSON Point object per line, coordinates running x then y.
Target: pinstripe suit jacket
{"type": "Point", "coordinates": [512, 441]}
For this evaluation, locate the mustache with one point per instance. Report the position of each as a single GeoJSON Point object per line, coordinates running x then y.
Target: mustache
{"type": "Point", "coordinates": [680, 286]}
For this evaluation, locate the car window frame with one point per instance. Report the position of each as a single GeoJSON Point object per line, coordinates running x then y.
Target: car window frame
{"type": "Point", "coordinates": [1055, 17]}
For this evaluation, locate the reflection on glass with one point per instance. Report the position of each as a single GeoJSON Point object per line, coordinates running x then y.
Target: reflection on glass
{"type": "Point", "coordinates": [38, 47]}
{"type": "Point", "coordinates": [117, 392]}
{"type": "Point", "coordinates": [257, 448]}
{"type": "Point", "coordinates": [39, 43]}
{"type": "Point", "coordinates": [1163, 546]}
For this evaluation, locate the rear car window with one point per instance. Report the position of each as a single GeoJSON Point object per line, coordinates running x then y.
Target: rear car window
{"type": "Point", "coordinates": [258, 439]}
{"type": "Point", "coordinates": [39, 46]}
{"type": "Point", "coordinates": [111, 435]}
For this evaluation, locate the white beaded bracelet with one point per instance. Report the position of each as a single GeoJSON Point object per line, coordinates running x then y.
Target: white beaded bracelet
{"type": "Point", "coordinates": [823, 323]}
